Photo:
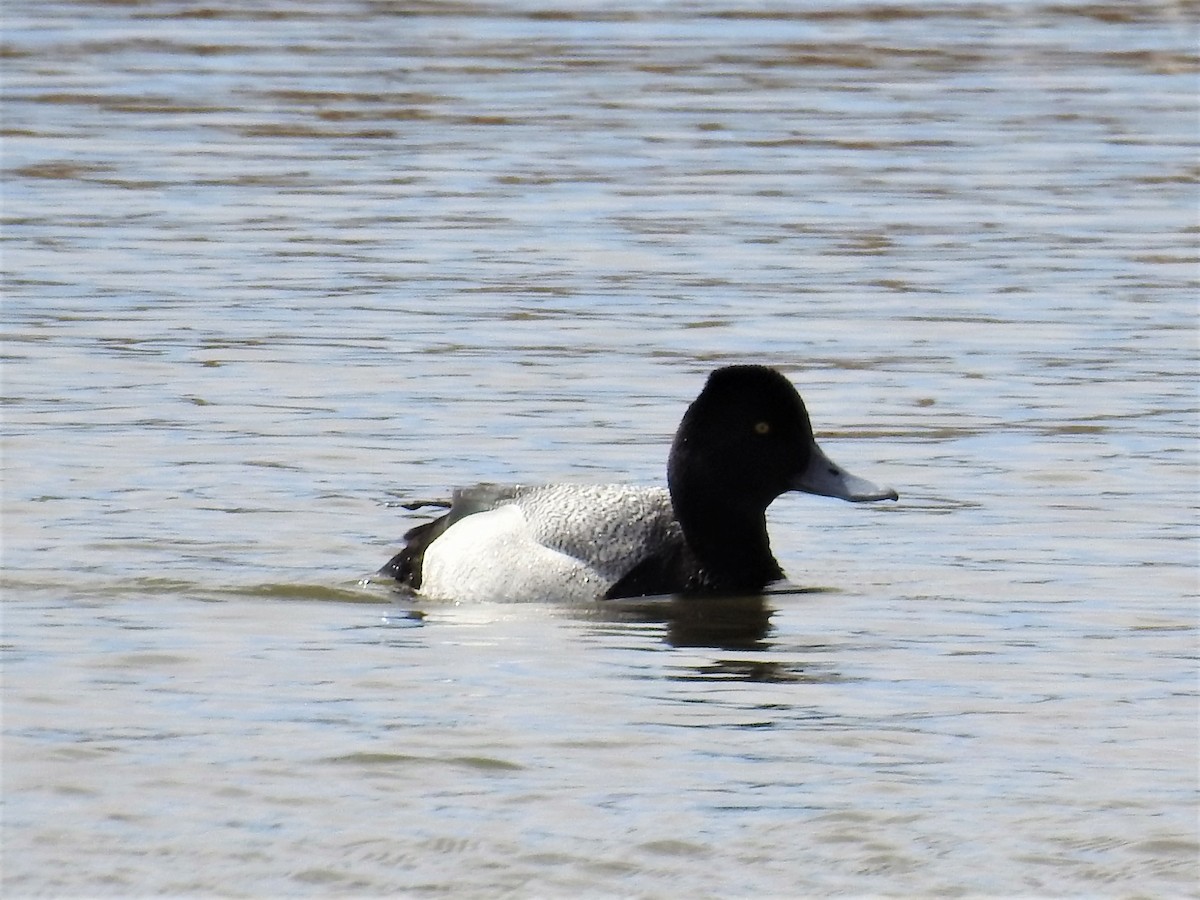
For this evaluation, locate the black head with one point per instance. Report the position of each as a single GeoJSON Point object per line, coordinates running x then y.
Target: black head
{"type": "Point", "coordinates": [744, 441]}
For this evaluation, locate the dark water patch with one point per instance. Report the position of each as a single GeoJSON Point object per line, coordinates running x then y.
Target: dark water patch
{"type": "Point", "coordinates": [408, 762]}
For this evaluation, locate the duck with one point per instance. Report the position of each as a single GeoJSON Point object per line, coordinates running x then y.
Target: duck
{"type": "Point", "coordinates": [745, 440]}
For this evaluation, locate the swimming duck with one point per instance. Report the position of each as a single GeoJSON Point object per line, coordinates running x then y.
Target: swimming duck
{"type": "Point", "coordinates": [745, 440]}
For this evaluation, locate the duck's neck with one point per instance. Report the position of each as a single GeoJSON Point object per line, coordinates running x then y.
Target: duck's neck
{"type": "Point", "coordinates": [730, 545]}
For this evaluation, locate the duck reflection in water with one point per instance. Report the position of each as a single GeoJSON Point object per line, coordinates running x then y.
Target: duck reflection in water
{"type": "Point", "coordinates": [727, 622]}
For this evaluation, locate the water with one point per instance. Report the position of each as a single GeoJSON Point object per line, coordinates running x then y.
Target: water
{"type": "Point", "coordinates": [271, 269]}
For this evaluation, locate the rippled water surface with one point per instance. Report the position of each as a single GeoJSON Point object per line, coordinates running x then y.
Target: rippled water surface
{"type": "Point", "coordinates": [272, 268]}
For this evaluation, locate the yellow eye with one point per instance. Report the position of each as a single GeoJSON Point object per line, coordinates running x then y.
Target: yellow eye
{"type": "Point", "coordinates": [762, 428]}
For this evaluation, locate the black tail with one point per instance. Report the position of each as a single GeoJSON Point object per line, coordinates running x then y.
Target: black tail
{"type": "Point", "coordinates": [406, 565]}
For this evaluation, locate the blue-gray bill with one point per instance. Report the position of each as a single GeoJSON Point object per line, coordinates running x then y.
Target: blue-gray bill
{"type": "Point", "coordinates": [824, 477]}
